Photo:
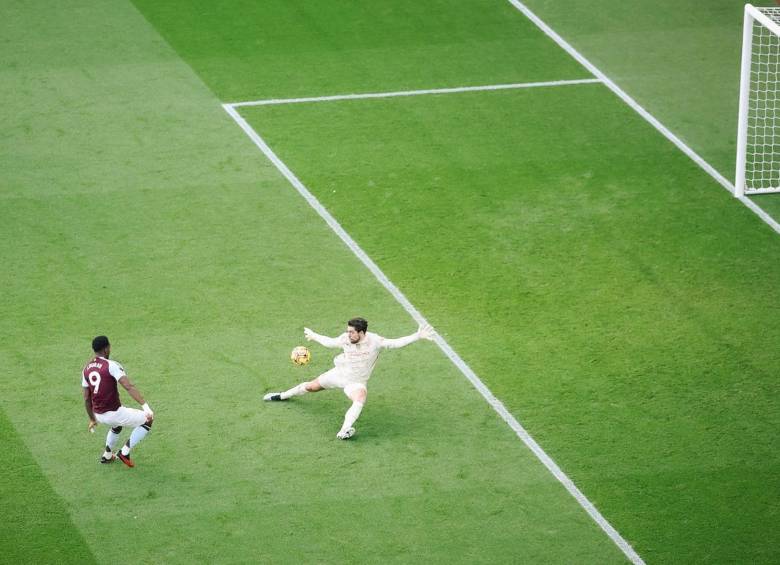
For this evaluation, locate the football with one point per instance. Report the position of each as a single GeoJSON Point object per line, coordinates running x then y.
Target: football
{"type": "Point", "coordinates": [300, 355]}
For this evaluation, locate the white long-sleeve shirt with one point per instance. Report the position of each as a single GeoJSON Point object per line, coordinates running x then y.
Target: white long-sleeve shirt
{"type": "Point", "coordinates": [358, 359]}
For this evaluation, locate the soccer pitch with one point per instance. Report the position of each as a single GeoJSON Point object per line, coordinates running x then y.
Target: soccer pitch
{"type": "Point", "coordinates": [605, 289]}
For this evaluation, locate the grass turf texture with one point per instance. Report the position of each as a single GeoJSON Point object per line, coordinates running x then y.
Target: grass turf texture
{"type": "Point", "coordinates": [119, 118]}
{"type": "Point", "coordinates": [37, 527]}
{"type": "Point", "coordinates": [679, 62]}
{"type": "Point", "coordinates": [245, 49]}
{"type": "Point", "coordinates": [613, 254]}
{"type": "Point", "coordinates": [598, 310]}
{"type": "Point", "coordinates": [133, 207]}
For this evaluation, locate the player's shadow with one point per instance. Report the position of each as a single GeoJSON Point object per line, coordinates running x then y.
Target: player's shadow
{"type": "Point", "coordinates": [316, 413]}
{"type": "Point", "coordinates": [388, 419]}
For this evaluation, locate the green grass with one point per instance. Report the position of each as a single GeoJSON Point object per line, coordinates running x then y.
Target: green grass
{"type": "Point", "coordinates": [579, 305]}
{"type": "Point", "coordinates": [136, 209]}
{"type": "Point", "coordinates": [609, 293]}
{"type": "Point", "coordinates": [244, 50]}
{"type": "Point", "coordinates": [679, 62]}
{"type": "Point", "coordinates": [37, 527]}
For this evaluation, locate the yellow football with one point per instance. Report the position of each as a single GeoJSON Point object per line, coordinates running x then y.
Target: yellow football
{"type": "Point", "coordinates": [300, 355]}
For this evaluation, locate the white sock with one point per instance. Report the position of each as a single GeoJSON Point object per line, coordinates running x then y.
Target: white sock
{"type": "Point", "coordinates": [297, 390]}
{"type": "Point", "coordinates": [111, 439]}
{"type": "Point", "coordinates": [352, 415]}
{"type": "Point", "coordinates": [138, 434]}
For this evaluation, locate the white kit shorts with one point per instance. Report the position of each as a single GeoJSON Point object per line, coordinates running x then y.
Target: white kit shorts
{"type": "Point", "coordinates": [123, 416]}
{"type": "Point", "coordinates": [337, 378]}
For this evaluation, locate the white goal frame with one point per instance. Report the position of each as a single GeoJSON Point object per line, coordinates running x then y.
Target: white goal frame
{"type": "Point", "coordinates": [758, 131]}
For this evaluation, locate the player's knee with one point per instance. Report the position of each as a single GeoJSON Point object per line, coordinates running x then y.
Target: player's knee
{"type": "Point", "coordinates": [116, 430]}
{"type": "Point", "coordinates": [148, 425]}
{"type": "Point", "coordinates": [312, 386]}
{"type": "Point", "coordinates": [359, 394]}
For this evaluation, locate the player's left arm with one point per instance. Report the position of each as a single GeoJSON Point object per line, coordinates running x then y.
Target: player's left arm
{"type": "Point", "coordinates": [423, 332]}
{"type": "Point", "coordinates": [136, 394]}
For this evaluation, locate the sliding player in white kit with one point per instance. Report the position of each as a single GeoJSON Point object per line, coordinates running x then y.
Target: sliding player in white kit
{"type": "Point", "coordinates": [352, 368]}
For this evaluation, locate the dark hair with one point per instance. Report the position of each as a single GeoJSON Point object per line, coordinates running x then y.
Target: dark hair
{"type": "Point", "coordinates": [100, 343]}
{"type": "Point", "coordinates": [359, 324]}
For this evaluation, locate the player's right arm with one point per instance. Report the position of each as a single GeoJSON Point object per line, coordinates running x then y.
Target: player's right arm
{"type": "Point", "coordinates": [136, 395]}
{"type": "Point", "coordinates": [88, 406]}
{"type": "Point", "coordinates": [334, 342]}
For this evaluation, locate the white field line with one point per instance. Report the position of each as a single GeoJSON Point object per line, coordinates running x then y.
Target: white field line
{"type": "Point", "coordinates": [725, 183]}
{"type": "Point", "coordinates": [496, 404]}
{"type": "Point", "coordinates": [414, 92]}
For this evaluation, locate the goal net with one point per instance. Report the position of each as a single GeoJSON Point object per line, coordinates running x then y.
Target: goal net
{"type": "Point", "coordinates": [758, 136]}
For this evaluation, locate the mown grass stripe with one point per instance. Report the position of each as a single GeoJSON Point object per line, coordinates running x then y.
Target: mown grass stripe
{"type": "Point", "coordinates": [472, 377]}
{"type": "Point", "coordinates": [35, 525]}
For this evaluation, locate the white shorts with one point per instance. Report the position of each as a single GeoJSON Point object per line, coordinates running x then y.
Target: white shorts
{"type": "Point", "coordinates": [336, 378]}
{"type": "Point", "coordinates": [123, 416]}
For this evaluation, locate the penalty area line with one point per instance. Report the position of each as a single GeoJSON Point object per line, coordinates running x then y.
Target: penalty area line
{"type": "Point", "coordinates": [274, 101]}
{"type": "Point", "coordinates": [470, 375]}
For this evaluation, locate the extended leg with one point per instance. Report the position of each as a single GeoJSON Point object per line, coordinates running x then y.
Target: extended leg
{"type": "Point", "coordinates": [297, 390]}
{"type": "Point", "coordinates": [357, 393]}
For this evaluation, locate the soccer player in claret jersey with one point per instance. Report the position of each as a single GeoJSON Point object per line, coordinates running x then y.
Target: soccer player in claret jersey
{"type": "Point", "coordinates": [353, 367]}
{"type": "Point", "coordinates": [101, 400]}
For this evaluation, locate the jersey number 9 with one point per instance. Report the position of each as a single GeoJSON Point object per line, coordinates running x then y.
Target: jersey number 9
{"type": "Point", "coordinates": [94, 380]}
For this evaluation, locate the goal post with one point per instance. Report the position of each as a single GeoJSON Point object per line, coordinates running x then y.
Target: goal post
{"type": "Point", "coordinates": [758, 132]}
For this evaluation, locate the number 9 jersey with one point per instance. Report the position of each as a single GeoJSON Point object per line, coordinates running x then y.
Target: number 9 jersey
{"type": "Point", "coordinates": [100, 376]}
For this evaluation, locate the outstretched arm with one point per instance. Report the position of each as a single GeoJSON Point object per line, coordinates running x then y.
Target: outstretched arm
{"type": "Point", "coordinates": [423, 332]}
{"type": "Point", "coordinates": [326, 341]}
